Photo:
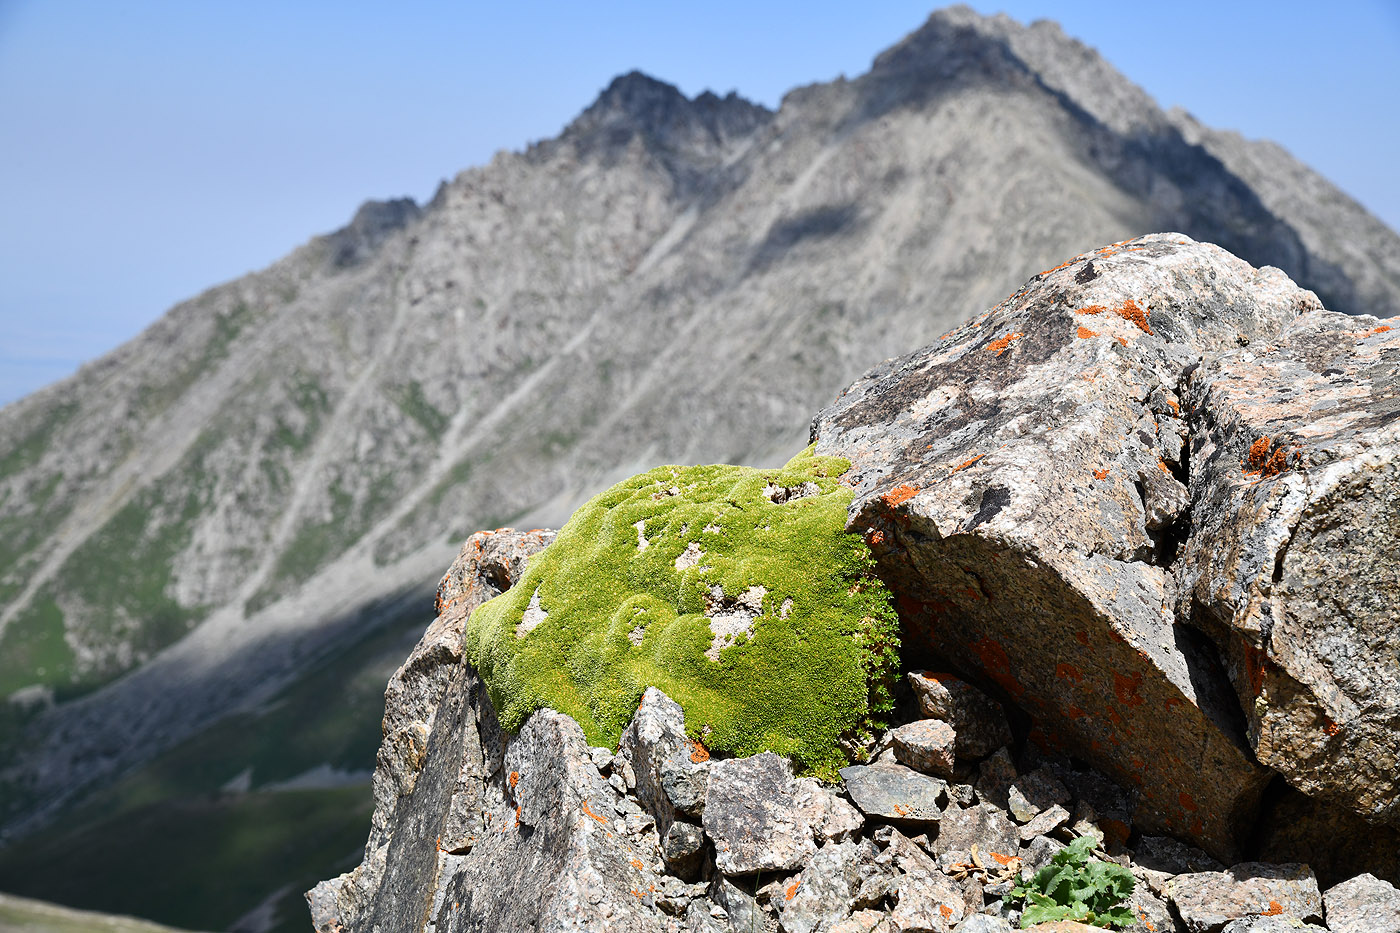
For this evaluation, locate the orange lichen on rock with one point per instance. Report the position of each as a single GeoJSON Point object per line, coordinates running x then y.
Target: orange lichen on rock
{"type": "Point", "coordinates": [1258, 454]}
{"type": "Point", "coordinates": [1275, 908]}
{"type": "Point", "coordinates": [1101, 474]}
{"type": "Point", "coordinates": [1122, 341]}
{"type": "Point", "coordinates": [1002, 343]}
{"type": "Point", "coordinates": [637, 864]}
{"type": "Point", "coordinates": [1265, 460]}
{"type": "Point", "coordinates": [900, 495]}
{"type": "Point", "coordinates": [588, 811]}
{"type": "Point", "coordinates": [1126, 689]}
{"type": "Point", "coordinates": [514, 779]}
{"type": "Point", "coordinates": [1129, 311]}
{"type": "Point", "coordinates": [1067, 262]}
{"type": "Point", "coordinates": [791, 892]}
{"type": "Point", "coordinates": [965, 464]}
{"type": "Point", "coordinates": [946, 911]}
{"type": "Point", "coordinates": [1092, 309]}
{"type": "Point", "coordinates": [698, 752]}
{"type": "Point", "coordinates": [1376, 330]}
{"type": "Point", "coordinates": [1085, 333]}
{"type": "Point", "coordinates": [1162, 465]}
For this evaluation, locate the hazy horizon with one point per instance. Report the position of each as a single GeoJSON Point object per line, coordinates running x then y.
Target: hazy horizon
{"type": "Point", "coordinates": [171, 147]}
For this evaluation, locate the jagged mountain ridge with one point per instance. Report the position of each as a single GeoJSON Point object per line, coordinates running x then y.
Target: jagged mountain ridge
{"type": "Point", "coordinates": [273, 463]}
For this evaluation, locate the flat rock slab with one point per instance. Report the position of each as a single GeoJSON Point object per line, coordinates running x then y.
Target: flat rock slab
{"type": "Point", "coordinates": [1038, 456]}
{"type": "Point", "coordinates": [757, 815]}
{"type": "Point", "coordinates": [1208, 900]}
{"type": "Point", "coordinates": [894, 792]}
{"type": "Point", "coordinates": [1365, 904]}
{"type": "Point", "coordinates": [984, 826]}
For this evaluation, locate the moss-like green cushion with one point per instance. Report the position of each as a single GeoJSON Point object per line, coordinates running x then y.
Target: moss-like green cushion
{"type": "Point", "coordinates": [761, 617]}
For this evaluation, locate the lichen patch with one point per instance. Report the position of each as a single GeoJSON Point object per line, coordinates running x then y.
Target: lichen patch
{"type": "Point", "coordinates": [532, 617]}
{"type": "Point", "coordinates": [731, 618]}
{"type": "Point", "coordinates": [780, 494]}
{"type": "Point", "coordinates": [690, 557]}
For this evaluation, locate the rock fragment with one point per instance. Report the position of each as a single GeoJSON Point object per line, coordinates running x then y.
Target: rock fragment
{"type": "Point", "coordinates": [894, 792]}
{"type": "Point", "coordinates": [754, 816]}
{"type": "Point", "coordinates": [1364, 904]}
{"type": "Point", "coordinates": [926, 745]}
{"type": "Point", "coordinates": [1206, 901]}
{"type": "Point", "coordinates": [978, 720]}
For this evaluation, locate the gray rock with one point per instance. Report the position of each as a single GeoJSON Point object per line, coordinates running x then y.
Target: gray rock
{"type": "Point", "coordinates": [996, 774]}
{"type": "Point", "coordinates": [1206, 901]}
{"type": "Point", "coordinates": [834, 819]}
{"type": "Point", "coordinates": [1292, 560]}
{"type": "Point", "coordinates": [984, 826]}
{"type": "Point", "coordinates": [983, 923]}
{"type": "Point", "coordinates": [822, 894]}
{"type": "Point", "coordinates": [1172, 856]}
{"type": "Point", "coordinates": [925, 898]}
{"type": "Point", "coordinates": [1274, 925]}
{"type": "Point", "coordinates": [756, 816]}
{"type": "Point", "coordinates": [683, 848]}
{"type": "Point", "coordinates": [1150, 912]}
{"type": "Point", "coordinates": [1028, 454]}
{"type": "Point", "coordinates": [1045, 822]}
{"type": "Point", "coordinates": [977, 719]}
{"type": "Point", "coordinates": [863, 921]}
{"type": "Point", "coordinates": [1037, 854]}
{"type": "Point", "coordinates": [657, 755]}
{"type": "Point", "coordinates": [894, 792]}
{"type": "Point", "coordinates": [926, 745]}
{"type": "Point", "coordinates": [1364, 904]}
{"type": "Point", "coordinates": [1034, 792]}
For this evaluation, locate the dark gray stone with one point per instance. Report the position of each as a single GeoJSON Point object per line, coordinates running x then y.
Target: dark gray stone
{"type": "Point", "coordinates": [683, 848]}
{"type": "Point", "coordinates": [896, 793]}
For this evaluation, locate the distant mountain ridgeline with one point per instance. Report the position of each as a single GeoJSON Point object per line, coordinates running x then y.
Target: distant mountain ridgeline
{"type": "Point", "coordinates": [274, 474]}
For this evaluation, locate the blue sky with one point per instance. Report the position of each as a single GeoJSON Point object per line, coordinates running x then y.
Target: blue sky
{"type": "Point", "coordinates": [149, 150]}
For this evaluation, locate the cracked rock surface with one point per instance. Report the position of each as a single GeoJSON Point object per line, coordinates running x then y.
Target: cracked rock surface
{"type": "Point", "coordinates": [1153, 486]}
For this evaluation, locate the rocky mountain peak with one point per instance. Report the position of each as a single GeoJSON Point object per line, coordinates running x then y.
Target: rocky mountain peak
{"type": "Point", "coordinates": [636, 103]}
{"type": "Point", "coordinates": [690, 136]}
{"type": "Point", "coordinates": [371, 225]}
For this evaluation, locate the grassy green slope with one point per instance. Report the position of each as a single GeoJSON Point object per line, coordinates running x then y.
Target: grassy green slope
{"type": "Point", "coordinates": [204, 834]}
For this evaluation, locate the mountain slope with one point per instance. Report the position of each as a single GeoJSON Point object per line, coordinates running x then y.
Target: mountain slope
{"type": "Point", "coordinates": [281, 465]}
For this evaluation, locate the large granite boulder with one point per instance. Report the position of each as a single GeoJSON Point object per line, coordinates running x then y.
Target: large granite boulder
{"type": "Point", "coordinates": [1293, 564]}
{"type": "Point", "coordinates": [1081, 498]}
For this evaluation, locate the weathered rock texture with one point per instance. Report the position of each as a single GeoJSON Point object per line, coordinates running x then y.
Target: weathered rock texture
{"type": "Point", "coordinates": [1148, 459]}
{"type": "Point", "coordinates": [478, 830]}
{"type": "Point", "coordinates": [669, 280]}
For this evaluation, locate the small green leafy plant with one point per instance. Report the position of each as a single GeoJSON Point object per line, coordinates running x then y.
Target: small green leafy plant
{"type": "Point", "coordinates": [1075, 886]}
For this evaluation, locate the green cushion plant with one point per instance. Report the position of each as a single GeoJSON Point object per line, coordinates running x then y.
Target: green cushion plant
{"type": "Point", "coordinates": [736, 591]}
